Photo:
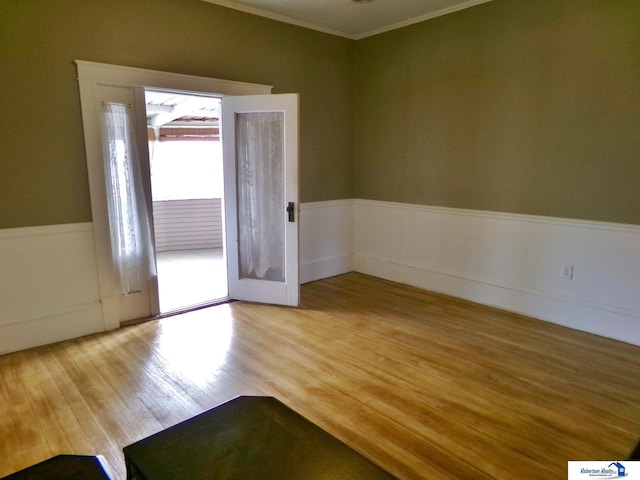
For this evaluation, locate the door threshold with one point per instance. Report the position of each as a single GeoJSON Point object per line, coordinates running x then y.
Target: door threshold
{"type": "Point", "coordinates": [193, 308]}
{"type": "Point", "coordinates": [180, 311]}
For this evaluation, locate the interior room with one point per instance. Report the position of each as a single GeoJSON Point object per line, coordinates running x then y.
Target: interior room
{"type": "Point", "coordinates": [468, 218]}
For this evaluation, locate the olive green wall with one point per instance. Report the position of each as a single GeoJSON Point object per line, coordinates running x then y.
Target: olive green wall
{"type": "Point", "coordinates": [43, 174]}
{"type": "Point", "coordinates": [526, 106]}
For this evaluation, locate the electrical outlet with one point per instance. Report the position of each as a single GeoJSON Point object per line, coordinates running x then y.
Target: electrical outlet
{"type": "Point", "coordinates": [567, 272]}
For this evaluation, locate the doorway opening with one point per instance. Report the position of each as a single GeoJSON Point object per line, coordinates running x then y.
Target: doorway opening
{"type": "Point", "coordinates": [187, 186]}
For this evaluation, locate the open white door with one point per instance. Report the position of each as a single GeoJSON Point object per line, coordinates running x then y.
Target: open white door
{"type": "Point", "coordinates": [260, 152]}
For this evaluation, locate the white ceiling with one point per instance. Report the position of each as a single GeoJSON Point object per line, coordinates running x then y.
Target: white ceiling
{"type": "Point", "coordinates": [348, 18]}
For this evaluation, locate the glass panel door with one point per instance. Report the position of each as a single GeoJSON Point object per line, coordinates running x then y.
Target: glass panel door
{"type": "Point", "coordinates": [260, 151]}
{"type": "Point", "coordinates": [260, 185]}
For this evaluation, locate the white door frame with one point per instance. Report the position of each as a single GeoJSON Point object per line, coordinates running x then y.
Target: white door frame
{"type": "Point", "coordinates": [91, 75]}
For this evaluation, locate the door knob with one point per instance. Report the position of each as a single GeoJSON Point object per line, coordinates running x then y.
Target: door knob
{"type": "Point", "coordinates": [291, 211]}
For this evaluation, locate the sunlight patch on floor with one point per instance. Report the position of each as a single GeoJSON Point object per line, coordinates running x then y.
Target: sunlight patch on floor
{"type": "Point", "coordinates": [195, 346]}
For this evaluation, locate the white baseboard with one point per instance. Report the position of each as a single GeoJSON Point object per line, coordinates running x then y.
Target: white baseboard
{"type": "Point", "coordinates": [513, 262]}
{"type": "Point", "coordinates": [325, 268]}
{"type": "Point", "coordinates": [50, 328]}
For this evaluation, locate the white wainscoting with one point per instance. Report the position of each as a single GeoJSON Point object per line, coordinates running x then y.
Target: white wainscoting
{"type": "Point", "coordinates": [514, 262]}
{"type": "Point", "coordinates": [49, 285]}
{"type": "Point", "coordinates": [50, 292]}
{"type": "Point", "coordinates": [326, 239]}
{"type": "Point", "coordinates": [49, 281]}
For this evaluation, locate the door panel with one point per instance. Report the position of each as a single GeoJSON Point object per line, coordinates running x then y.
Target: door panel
{"type": "Point", "coordinates": [260, 151]}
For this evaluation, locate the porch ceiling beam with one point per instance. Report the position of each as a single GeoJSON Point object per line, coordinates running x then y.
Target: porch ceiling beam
{"type": "Point", "coordinates": [182, 109]}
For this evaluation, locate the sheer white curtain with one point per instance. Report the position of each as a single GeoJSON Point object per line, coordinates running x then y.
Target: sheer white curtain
{"type": "Point", "coordinates": [129, 217]}
{"type": "Point", "coordinates": [260, 187]}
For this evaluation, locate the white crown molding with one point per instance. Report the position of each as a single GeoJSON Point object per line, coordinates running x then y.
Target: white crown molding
{"type": "Point", "coordinates": [280, 18]}
{"type": "Point", "coordinates": [357, 36]}
{"type": "Point", "coordinates": [421, 18]}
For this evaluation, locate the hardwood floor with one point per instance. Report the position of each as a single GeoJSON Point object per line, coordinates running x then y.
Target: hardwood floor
{"type": "Point", "coordinates": [427, 386]}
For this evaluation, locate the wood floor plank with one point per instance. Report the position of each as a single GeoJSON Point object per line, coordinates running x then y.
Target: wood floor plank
{"type": "Point", "coordinates": [149, 389]}
{"type": "Point", "coordinates": [425, 385]}
{"type": "Point", "coordinates": [99, 424]}
{"type": "Point", "coordinates": [49, 408]}
{"type": "Point", "coordinates": [18, 423]}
